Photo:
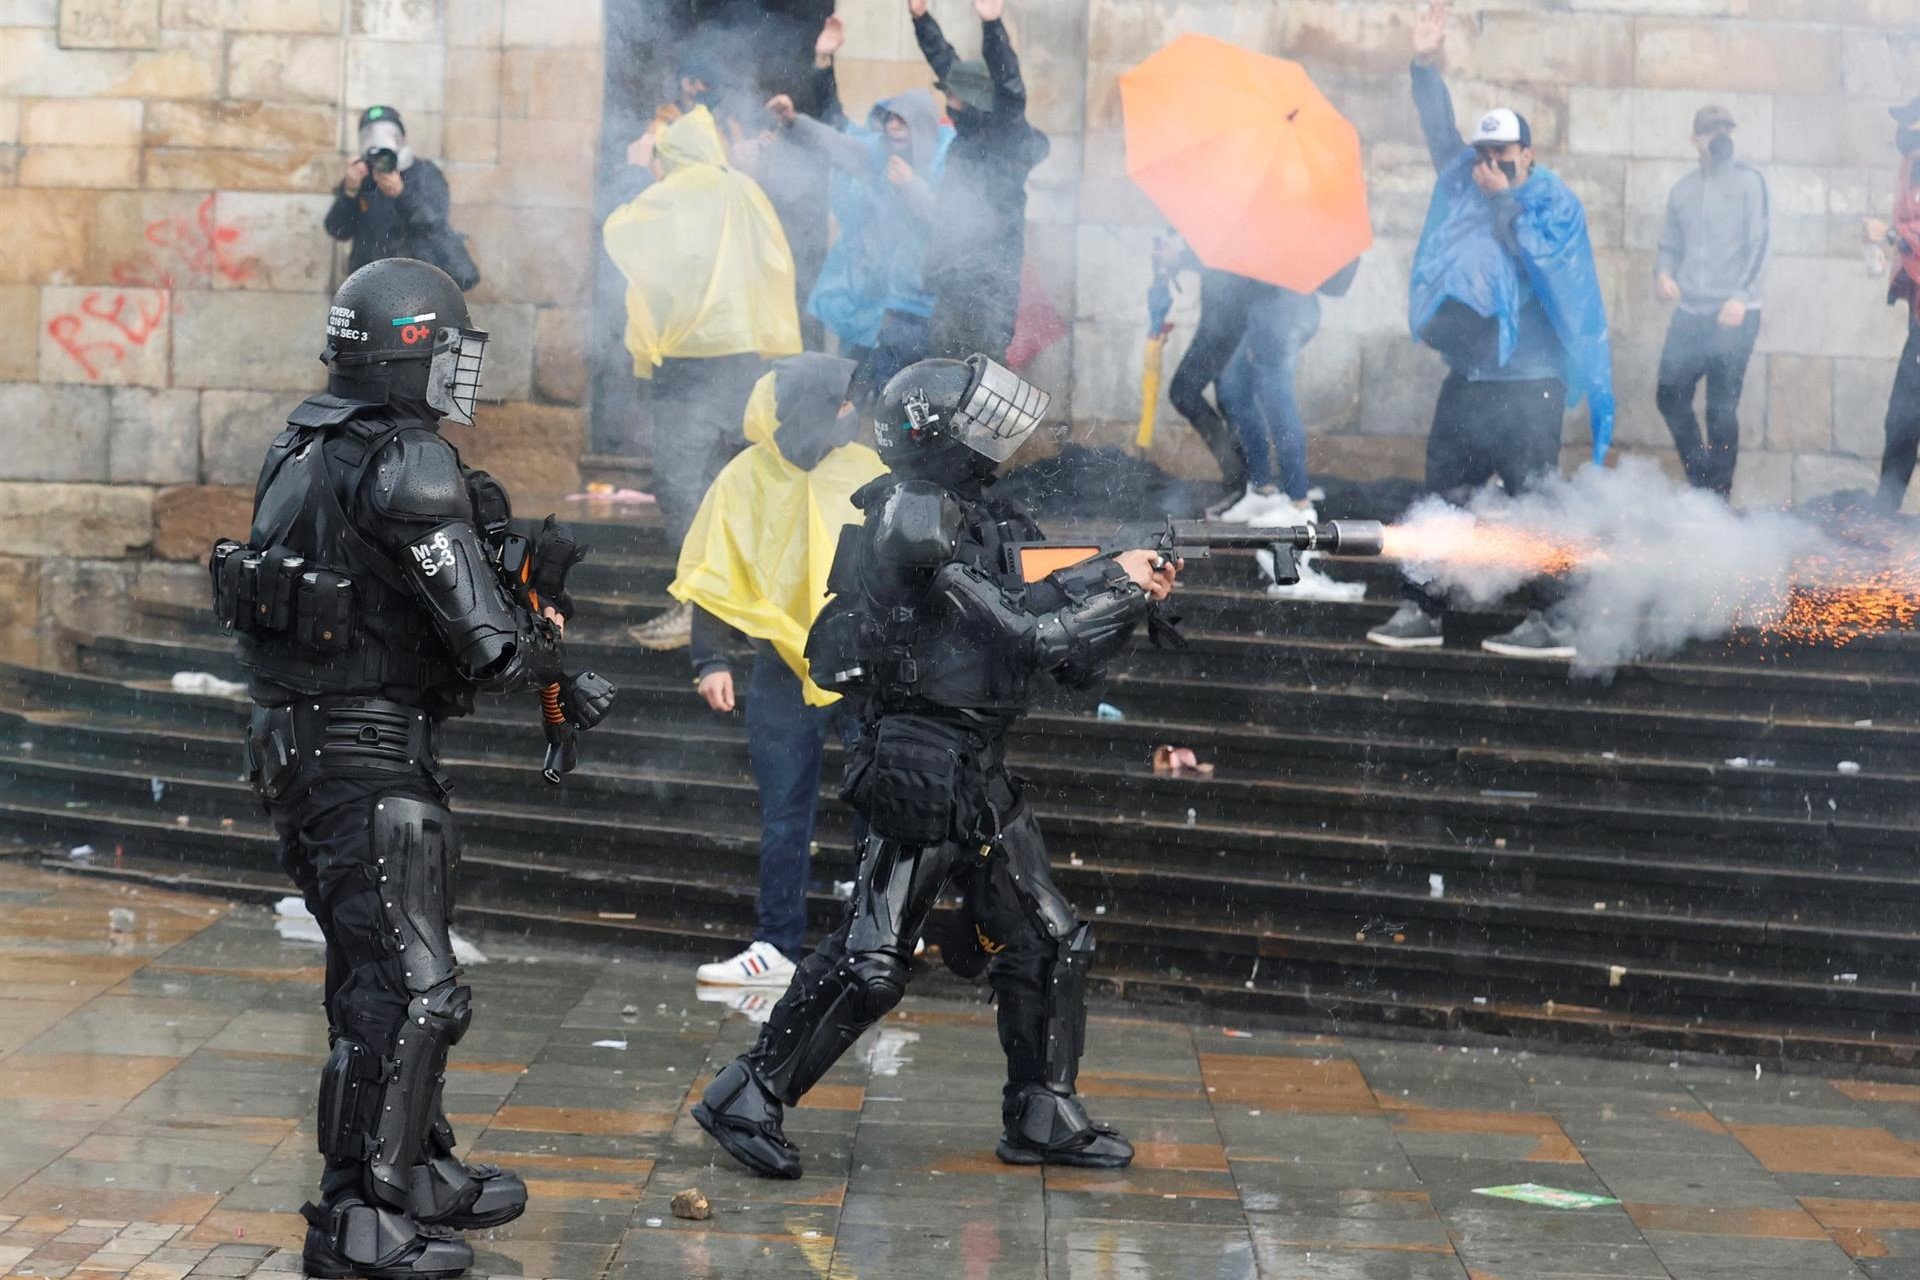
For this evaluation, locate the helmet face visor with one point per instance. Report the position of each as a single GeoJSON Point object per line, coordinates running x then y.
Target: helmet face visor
{"type": "Point", "coordinates": [1000, 412]}
{"type": "Point", "coordinates": [453, 377]}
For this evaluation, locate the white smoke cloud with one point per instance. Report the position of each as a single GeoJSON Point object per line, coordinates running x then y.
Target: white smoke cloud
{"type": "Point", "coordinates": [1659, 564]}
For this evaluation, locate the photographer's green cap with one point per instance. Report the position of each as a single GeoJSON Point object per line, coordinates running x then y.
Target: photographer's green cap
{"type": "Point", "coordinates": [371, 114]}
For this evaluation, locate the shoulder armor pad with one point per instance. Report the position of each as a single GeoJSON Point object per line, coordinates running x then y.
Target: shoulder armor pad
{"type": "Point", "coordinates": [917, 525]}
{"type": "Point", "coordinates": [326, 410]}
{"type": "Point", "coordinates": [417, 476]}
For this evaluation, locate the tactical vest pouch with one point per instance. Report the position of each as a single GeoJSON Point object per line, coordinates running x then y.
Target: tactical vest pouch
{"type": "Point", "coordinates": [323, 611]}
{"type": "Point", "coordinates": [913, 778]}
{"type": "Point", "coordinates": [273, 759]}
{"type": "Point", "coordinates": [275, 586]}
{"type": "Point", "coordinates": [273, 595]}
{"type": "Point", "coordinates": [835, 654]}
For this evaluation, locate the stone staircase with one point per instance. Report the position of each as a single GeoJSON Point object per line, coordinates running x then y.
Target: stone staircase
{"type": "Point", "coordinates": [1429, 841]}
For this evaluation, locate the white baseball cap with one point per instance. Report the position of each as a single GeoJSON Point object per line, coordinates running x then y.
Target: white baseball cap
{"type": "Point", "coordinates": [1500, 127]}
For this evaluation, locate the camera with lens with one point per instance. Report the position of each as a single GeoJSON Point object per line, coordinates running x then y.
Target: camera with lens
{"type": "Point", "coordinates": [381, 159]}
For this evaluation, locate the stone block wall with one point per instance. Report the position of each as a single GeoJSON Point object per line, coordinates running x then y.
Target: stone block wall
{"type": "Point", "coordinates": [164, 168]}
{"type": "Point", "coordinates": [164, 165]}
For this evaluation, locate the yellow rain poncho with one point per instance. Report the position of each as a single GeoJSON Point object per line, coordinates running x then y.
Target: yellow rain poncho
{"type": "Point", "coordinates": [708, 269]}
{"type": "Point", "coordinates": [762, 543]}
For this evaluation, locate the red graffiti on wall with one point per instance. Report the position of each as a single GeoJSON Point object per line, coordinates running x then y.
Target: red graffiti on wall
{"type": "Point", "coordinates": [185, 248]}
{"type": "Point", "coordinates": [111, 327]}
{"type": "Point", "coordinates": [108, 325]}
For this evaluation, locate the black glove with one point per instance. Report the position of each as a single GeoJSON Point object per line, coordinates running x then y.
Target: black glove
{"type": "Point", "coordinates": [1163, 627]}
{"type": "Point", "coordinates": [554, 553]}
{"type": "Point", "coordinates": [586, 698]}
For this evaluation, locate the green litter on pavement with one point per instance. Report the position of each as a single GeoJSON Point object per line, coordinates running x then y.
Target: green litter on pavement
{"type": "Point", "coordinates": [1551, 1197]}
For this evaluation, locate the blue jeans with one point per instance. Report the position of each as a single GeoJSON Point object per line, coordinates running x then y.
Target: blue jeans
{"type": "Point", "coordinates": [1256, 390]}
{"type": "Point", "coordinates": [786, 740]}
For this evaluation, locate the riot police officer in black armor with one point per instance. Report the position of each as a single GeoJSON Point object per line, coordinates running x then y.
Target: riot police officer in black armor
{"type": "Point", "coordinates": [934, 634]}
{"type": "Point", "coordinates": [367, 608]}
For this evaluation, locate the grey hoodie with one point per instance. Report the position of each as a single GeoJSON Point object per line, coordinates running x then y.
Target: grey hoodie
{"type": "Point", "coordinates": [1719, 221]}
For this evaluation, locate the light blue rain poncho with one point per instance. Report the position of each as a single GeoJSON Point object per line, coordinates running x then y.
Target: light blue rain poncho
{"type": "Point", "coordinates": [1461, 257]}
{"type": "Point", "coordinates": [876, 264]}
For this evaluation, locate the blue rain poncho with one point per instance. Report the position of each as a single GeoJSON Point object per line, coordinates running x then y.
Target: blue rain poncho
{"type": "Point", "coordinates": [1462, 256]}
{"type": "Point", "coordinates": [876, 263]}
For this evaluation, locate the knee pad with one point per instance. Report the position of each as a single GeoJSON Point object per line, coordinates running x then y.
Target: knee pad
{"type": "Point", "coordinates": [879, 982]}
{"type": "Point", "coordinates": [415, 850]}
{"type": "Point", "coordinates": [820, 1016]}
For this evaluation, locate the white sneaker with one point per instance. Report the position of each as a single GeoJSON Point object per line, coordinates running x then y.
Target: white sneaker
{"type": "Point", "coordinates": [760, 965]}
{"type": "Point", "coordinates": [1249, 509]}
{"type": "Point", "coordinates": [1281, 512]}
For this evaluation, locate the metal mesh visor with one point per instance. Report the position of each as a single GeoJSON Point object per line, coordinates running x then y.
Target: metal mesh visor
{"type": "Point", "coordinates": [1000, 412]}
{"type": "Point", "coordinates": [453, 379]}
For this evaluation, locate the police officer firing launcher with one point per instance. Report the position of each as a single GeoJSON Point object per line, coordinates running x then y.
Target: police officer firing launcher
{"type": "Point", "coordinates": [935, 636]}
{"type": "Point", "coordinates": [368, 606]}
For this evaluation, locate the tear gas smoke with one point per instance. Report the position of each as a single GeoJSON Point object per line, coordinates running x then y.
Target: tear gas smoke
{"type": "Point", "coordinates": [1648, 565]}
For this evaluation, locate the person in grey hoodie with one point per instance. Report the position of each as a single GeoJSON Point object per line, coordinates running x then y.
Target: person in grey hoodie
{"type": "Point", "coordinates": [1712, 262]}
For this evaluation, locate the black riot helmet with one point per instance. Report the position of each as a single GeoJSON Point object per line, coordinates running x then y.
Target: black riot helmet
{"type": "Point", "coordinates": [399, 330]}
{"type": "Point", "coordinates": [951, 420]}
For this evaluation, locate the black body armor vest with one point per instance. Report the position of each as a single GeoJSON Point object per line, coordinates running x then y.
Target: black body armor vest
{"type": "Point", "coordinates": [900, 652]}
{"type": "Point", "coordinates": [307, 504]}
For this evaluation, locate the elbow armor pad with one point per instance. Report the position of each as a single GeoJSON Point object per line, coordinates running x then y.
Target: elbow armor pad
{"type": "Point", "coordinates": [1099, 620]}
{"type": "Point", "coordinates": [497, 645]}
{"type": "Point", "coordinates": [980, 603]}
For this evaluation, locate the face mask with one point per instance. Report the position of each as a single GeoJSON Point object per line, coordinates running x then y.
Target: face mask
{"type": "Point", "coordinates": [1720, 150]}
{"type": "Point", "coordinates": [1511, 168]}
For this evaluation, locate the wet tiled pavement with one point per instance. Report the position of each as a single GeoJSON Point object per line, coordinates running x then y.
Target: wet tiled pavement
{"type": "Point", "coordinates": [156, 1083]}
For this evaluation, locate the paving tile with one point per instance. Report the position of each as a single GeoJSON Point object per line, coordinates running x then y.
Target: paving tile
{"type": "Point", "coordinates": [187, 1149]}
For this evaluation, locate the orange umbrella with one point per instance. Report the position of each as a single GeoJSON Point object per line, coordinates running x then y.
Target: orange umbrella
{"type": "Point", "coordinates": [1248, 160]}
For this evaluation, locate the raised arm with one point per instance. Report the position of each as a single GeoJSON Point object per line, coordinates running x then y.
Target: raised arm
{"type": "Point", "coordinates": [933, 42]}
{"type": "Point", "coordinates": [1003, 64]}
{"type": "Point", "coordinates": [842, 150]}
{"type": "Point", "coordinates": [1435, 105]}
{"type": "Point", "coordinates": [1430, 96]}
{"type": "Point", "coordinates": [823, 89]}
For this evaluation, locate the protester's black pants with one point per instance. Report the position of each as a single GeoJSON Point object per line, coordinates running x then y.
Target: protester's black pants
{"type": "Point", "coordinates": [1903, 428]}
{"type": "Point", "coordinates": [1223, 323]}
{"type": "Point", "coordinates": [1701, 347]}
{"type": "Point", "coordinates": [696, 408]}
{"type": "Point", "coordinates": [1483, 430]}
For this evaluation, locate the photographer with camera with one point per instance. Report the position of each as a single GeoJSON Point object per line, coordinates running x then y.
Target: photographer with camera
{"type": "Point", "coordinates": [392, 203]}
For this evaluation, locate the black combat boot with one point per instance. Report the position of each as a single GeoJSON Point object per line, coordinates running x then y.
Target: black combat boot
{"type": "Point", "coordinates": [743, 1116]}
{"type": "Point", "coordinates": [1044, 1127]}
{"type": "Point", "coordinates": [465, 1197]}
{"type": "Point", "coordinates": [353, 1238]}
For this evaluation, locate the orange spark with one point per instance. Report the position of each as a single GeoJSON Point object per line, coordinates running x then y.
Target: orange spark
{"type": "Point", "coordinates": [1839, 599]}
